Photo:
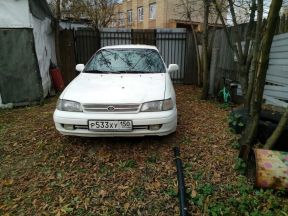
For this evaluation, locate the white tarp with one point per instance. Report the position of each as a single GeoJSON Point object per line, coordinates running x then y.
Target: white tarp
{"type": "Point", "coordinates": [45, 49]}
{"type": "Point", "coordinates": [14, 14]}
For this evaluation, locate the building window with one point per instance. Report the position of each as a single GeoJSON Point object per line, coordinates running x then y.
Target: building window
{"type": "Point", "coordinates": [140, 14]}
{"type": "Point", "coordinates": [129, 16]}
{"type": "Point", "coordinates": [152, 11]}
{"type": "Point", "coordinates": [121, 19]}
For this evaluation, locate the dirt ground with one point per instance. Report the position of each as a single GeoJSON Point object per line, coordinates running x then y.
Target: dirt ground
{"type": "Point", "coordinates": [45, 173]}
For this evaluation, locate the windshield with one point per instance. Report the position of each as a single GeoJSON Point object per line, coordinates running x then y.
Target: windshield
{"type": "Point", "coordinates": [125, 61]}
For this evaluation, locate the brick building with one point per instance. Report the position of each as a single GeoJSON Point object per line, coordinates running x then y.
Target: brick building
{"type": "Point", "coordinates": [150, 14]}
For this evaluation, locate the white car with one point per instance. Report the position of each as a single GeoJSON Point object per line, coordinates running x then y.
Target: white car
{"type": "Point", "coordinates": [123, 90]}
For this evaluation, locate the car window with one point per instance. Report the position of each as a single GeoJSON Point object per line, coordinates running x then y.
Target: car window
{"type": "Point", "coordinates": [125, 61]}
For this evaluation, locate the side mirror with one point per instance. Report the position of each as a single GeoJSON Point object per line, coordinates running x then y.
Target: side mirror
{"type": "Point", "coordinates": [172, 68]}
{"type": "Point", "coordinates": [80, 67]}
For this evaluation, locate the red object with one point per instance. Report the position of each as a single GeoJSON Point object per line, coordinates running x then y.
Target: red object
{"type": "Point", "coordinates": [57, 79]}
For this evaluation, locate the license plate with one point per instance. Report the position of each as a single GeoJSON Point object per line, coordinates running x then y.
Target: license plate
{"type": "Point", "coordinates": [109, 125]}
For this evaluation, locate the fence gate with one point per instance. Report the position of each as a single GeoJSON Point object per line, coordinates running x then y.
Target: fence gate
{"type": "Point", "coordinates": [67, 55]}
{"type": "Point", "coordinates": [175, 45]}
{"type": "Point", "coordinates": [87, 42]}
{"type": "Point", "coordinates": [172, 46]}
{"type": "Point", "coordinates": [144, 36]}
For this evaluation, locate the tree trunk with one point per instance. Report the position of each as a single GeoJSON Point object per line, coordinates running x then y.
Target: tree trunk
{"type": "Point", "coordinates": [188, 14]}
{"type": "Point", "coordinates": [242, 70]}
{"type": "Point", "coordinates": [251, 130]}
{"type": "Point", "coordinates": [237, 33]}
{"type": "Point", "coordinates": [205, 89]}
{"type": "Point", "coordinates": [197, 54]}
{"type": "Point", "coordinates": [57, 32]}
{"type": "Point", "coordinates": [249, 136]}
{"type": "Point", "coordinates": [256, 47]}
{"type": "Point", "coordinates": [278, 131]}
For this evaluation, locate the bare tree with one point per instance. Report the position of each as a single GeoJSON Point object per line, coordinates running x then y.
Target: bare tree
{"type": "Point", "coordinates": [57, 31]}
{"type": "Point", "coordinates": [252, 54]}
{"type": "Point", "coordinates": [98, 13]}
{"type": "Point", "coordinates": [205, 89]}
{"type": "Point", "coordinates": [186, 6]}
{"type": "Point", "coordinates": [243, 56]}
{"type": "Point", "coordinates": [201, 11]}
{"type": "Point", "coordinates": [261, 67]}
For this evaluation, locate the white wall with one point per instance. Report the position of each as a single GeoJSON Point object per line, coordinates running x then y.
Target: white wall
{"type": "Point", "coordinates": [14, 14]}
{"type": "Point", "coordinates": [276, 88]}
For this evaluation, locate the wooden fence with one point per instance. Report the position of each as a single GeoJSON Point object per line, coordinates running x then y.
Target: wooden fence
{"type": "Point", "coordinates": [283, 24]}
{"type": "Point", "coordinates": [223, 65]}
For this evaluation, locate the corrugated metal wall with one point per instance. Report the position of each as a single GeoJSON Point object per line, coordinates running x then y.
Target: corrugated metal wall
{"type": "Point", "coordinates": [172, 46]}
{"type": "Point", "coordinates": [276, 89]}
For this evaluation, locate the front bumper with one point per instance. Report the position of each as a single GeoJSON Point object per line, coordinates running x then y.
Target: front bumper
{"type": "Point", "coordinates": [141, 122]}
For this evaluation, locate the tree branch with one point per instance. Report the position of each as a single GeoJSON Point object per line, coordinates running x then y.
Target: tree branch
{"type": "Point", "coordinates": [237, 33]}
{"type": "Point", "coordinates": [218, 10]}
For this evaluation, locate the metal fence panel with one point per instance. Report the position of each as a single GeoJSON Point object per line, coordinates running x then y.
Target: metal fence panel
{"type": "Point", "coordinates": [111, 37]}
{"type": "Point", "coordinates": [87, 42]}
{"type": "Point", "coordinates": [144, 36]}
{"type": "Point", "coordinates": [172, 46]}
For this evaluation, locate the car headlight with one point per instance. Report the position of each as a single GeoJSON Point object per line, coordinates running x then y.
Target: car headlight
{"type": "Point", "coordinates": [69, 106]}
{"type": "Point", "coordinates": [156, 106]}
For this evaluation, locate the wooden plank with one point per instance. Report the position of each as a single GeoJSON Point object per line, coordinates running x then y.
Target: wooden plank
{"type": "Point", "coordinates": [275, 102]}
{"type": "Point", "coordinates": [67, 55]}
{"type": "Point", "coordinates": [280, 37]}
{"type": "Point", "coordinates": [279, 55]}
{"type": "Point", "coordinates": [213, 69]}
{"type": "Point", "coordinates": [279, 49]}
{"type": "Point", "coordinates": [278, 70]}
{"type": "Point", "coordinates": [276, 94]}
{"type": "Point", "coordinates": [190, 65]}
{"type": "Point", "coordinates": [280, 43]}
{"type": "Point", "coordinates": [277, 88]}
{"type": "Point", "coordinates": [276, 80]}
{"type": "Point", "coordinates": [278, 62]}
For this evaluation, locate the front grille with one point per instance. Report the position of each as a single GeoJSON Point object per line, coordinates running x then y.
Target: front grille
{"type": "Point", "coordinates": [135, 127]}
{"type": "Point", "coordinates": [111, 107]}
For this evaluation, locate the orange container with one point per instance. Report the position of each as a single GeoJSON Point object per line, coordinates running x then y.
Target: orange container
{"type": "Point", "coordinates": [57, 79]}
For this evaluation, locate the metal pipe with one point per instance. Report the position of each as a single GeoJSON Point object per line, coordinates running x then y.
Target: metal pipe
{"type": "Point", "coordinates": [181, 182]}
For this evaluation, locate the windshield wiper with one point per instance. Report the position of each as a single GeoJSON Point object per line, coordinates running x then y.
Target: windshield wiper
{"type": "Point", "coordinates": [122, 71]}
{"type": "Point", "coordinates": [143, 72]}
{"type": "Point", "coordinates": [96, 71]}
{"type": "Point", "coordinates": [92, 71]}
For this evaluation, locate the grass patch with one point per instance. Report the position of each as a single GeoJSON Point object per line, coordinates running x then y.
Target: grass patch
{"type": "Point", "coordinates": [128, 164]}
{"type": "Point", "coordinates": [152, 159]}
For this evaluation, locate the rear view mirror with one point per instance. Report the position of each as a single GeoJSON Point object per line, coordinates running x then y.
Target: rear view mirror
{"type": "Point", "coordinates": [173, 67]}
{"type": "Point", "coordinates": [80, 67]}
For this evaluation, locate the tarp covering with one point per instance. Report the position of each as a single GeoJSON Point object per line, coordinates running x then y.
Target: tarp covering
{"type": "Point", "coordinates": [14, 14]}
{"type": "Point", "coordinates": [20, 80]}
{"type": "Point", "coordinates": [45, 49]}
{"type": "Point", "coordinates": [40, 9]}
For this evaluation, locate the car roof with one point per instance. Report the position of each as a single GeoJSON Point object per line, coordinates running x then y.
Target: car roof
{"type": "Point", "coordinates": [131, 46]}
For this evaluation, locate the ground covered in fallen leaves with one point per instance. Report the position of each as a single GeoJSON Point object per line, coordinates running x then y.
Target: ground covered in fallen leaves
{"type": "Point", "coordinates": [45, 173]}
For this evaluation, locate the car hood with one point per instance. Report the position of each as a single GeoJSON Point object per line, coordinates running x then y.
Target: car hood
{"type": "Point", "coordinates": [116, 88]}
